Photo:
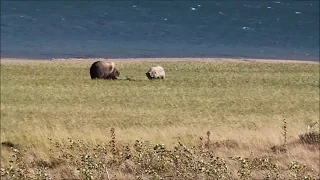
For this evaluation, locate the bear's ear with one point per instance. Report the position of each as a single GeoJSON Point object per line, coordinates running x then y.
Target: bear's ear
{"type": "Point", "coordinates": [115, 73]}
{"type": "Point", "coordinates": [152, 73]}
{"type": "Point", "coordinates": [148, 75]}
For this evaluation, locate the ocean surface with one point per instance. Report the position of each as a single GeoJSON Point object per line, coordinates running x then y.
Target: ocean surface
{"type": "Point", "coordinates": [284, 29]}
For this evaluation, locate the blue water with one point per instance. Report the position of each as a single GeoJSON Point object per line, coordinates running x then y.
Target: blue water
{"type": "Point", "coordinates": [138, 29]}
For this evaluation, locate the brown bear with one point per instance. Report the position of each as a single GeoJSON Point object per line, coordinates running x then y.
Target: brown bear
{"type": "Point", "coordinates": [104, 70]}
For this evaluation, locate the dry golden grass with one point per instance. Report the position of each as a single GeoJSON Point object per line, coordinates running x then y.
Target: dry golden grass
{"type": "Point", "coordinates": [245, 102]}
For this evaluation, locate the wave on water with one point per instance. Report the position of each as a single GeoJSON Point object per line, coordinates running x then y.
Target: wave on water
{"type": "Point", "coordinates": [238, 29]}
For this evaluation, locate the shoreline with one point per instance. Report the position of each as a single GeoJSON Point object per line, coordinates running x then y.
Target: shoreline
{"type": "Point", "coordinates": [239, 60]}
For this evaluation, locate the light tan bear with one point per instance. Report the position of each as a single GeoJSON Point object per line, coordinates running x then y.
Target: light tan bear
{"type": "Point", "coordinates": [156, 73]}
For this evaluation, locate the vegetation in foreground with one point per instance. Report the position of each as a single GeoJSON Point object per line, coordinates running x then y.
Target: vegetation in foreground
{"type": "Point", "coordinates": [55, 121]}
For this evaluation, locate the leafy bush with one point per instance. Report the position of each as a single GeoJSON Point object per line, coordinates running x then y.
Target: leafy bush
{"type": "Point", "coordinates": [144, 160]}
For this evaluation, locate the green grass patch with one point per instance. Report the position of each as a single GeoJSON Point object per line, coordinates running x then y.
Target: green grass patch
{"type": "Point", "coordinates": [242, 101]}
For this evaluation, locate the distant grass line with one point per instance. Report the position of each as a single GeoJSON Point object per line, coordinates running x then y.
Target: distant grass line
{"type": "Point", "coordinates": [245, 102]}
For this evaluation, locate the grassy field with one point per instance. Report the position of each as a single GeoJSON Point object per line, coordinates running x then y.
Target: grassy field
{"type": "Point", "coordinates": [245, 102]}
